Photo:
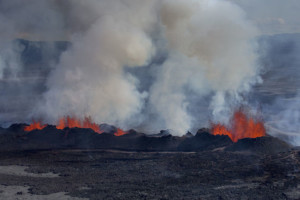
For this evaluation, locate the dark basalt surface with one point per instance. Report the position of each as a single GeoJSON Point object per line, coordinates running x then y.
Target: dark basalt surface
{"type": "Point", "coordinates": [266, 145]}
{"type": "Point", "coordinates": [112, 174]}
{"type": "Point", "coordinates": [87, 165]}
{"type": "Point", "coordinates": [203, 140]}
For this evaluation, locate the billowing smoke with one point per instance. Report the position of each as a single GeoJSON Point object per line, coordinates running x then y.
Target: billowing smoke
{"type": "Point", "coordinates": [210, 52]}
{"type": "Point", "coordinates": [90, 80]}
{"type": "Point", "coordinates": [148, 64]}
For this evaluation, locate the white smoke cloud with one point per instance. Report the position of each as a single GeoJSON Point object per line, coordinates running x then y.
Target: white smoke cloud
{"type": "Point", "coordinates": [90, 80]}
{"type": "Point", "coordinates": [211, 51]}
{"type": "Point", "coordinates": [168, 95]}
{"type": "Point", "coordinates": [208, 52]}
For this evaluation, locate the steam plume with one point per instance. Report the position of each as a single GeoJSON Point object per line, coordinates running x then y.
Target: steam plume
{"type": "Point", "coordinates": [207, 49]}
{"type": "Point", "coordinates": [210, 53]}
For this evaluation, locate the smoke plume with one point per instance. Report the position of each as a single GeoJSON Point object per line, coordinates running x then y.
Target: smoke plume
{"type": "Point", "coordinates": [146, 64]}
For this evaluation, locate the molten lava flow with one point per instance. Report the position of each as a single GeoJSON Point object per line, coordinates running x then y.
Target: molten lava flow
{"type": "Point", "coordinates": [241, 127]}
{"type": "Point", "coordinates": [120, 132]}
{"type": "Point", "coordinates": [72, 122]}
{"type": "Point", "coordinates": [219, 129]}
{"type": "Point", "coordinates": [34, 126]}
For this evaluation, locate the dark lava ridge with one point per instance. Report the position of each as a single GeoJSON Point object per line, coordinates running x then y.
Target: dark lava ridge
{"type": "Point", "coordinates": [15, 138]}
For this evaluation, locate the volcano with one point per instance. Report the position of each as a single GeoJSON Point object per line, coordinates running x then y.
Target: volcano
{"type": "Point", "coordinates": [153, 99]}
{"type": "Point", "coordinates": [91, 160]}
{"type": "Point", "coordinates": [241, 126]}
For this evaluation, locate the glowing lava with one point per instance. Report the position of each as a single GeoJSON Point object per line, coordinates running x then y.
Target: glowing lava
{"type": "Point", "coordinates": [72, 122]}
{"type": "Point", "coordinates": [120, 132]}
{"type": "Point", "coordinates": [241, 126]}
{"type": "Point", "coordinates": [35, 126]}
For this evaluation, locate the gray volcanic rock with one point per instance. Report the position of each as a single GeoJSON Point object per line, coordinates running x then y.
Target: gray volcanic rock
{"type": "Point", "coordinates": [16, 128]}
{"type": "Point", "coordinates": [188, 135]}
{"type": "Point", "coordinates": [164, 143]}
{"type": "Point", "coordinates": [262, 145]}
{"type": "Point", "coordinates": [108, 128]}
{"type": "Point", "coordinates": [162, 133]}
{"type": "Point", "coordinates": [203, 140]}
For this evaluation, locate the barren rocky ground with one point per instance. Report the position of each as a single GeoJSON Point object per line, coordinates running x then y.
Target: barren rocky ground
{"type": "Point", "coordinates": [111, 174]}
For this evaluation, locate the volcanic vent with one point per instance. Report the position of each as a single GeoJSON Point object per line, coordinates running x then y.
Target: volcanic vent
{"type": "Point", "coordinates": [245, 132]}
{"type": "Point", "coordinates": [152, 72]}
{"type": "Point", "coordinates": [241, 126]}
{"type": "Point", "coordinates": [73, 122]}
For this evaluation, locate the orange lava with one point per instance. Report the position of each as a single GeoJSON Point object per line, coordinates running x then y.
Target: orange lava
{"type": "Point", "coordinates": [34, 126]}
{"type": "Point", "coordinates": [120, 132]}
{"type": "Point", "coordinates": [241, 126]}
{"type": "Point", "coordinates": [72, 122]}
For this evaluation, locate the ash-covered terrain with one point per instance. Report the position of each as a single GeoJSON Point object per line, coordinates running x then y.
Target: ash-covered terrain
{"type": "Point", "coordinates": [112, 174]}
